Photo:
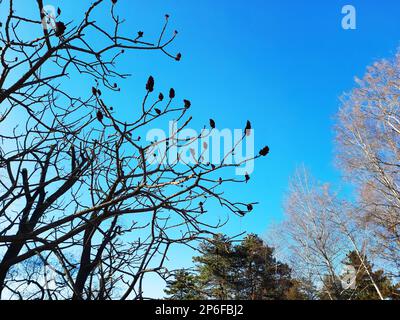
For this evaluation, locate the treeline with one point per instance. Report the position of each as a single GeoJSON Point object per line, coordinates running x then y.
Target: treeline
{"type": "Point", "coordinates": [250, 270]}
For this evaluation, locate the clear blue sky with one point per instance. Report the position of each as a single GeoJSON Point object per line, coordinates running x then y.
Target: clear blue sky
{"type": "Point", "coordinates": [282, 64]}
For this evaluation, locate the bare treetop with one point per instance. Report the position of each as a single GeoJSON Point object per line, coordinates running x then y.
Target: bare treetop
{"type": "Point", "coordinates": [79, 199]}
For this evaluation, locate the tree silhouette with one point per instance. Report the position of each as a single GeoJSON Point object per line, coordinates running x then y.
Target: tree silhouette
{"type": "Point", "coordinates": [83, 215]}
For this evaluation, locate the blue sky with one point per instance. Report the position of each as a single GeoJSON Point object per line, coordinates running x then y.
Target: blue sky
{"type": "Point", "coordinates": [281, 64]}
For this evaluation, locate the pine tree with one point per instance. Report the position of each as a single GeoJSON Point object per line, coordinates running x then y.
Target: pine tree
{"type": "Point", "coordinates": [361, 285]}
{"type": "Point", "coordinates": [184, 286]}
{"type": "Point", "coordinates": [364, 286]}
{"type": "Point", "coordinates": [247, 271]}
{"type": "Point", "coordinates": [259, 275]}
{"type": "Point", "coordinates": [331, 288]}
{"type": "Point", "coordinates": [215, 268]}
{"type": "Point", "coordinates": [302, 289]}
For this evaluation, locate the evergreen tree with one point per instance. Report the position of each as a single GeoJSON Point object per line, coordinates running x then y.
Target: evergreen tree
{"type": "Point", "coordinates": [302, 289]}
{"type": "Point", "coordinates": [247, 271]}
{"type": "Point", "coordinates": [215, 268]}
{"type": "Point", "coordinates": [360, 285]}
{"type": "Point", "coordinates": [331, 288]}
{"type": "Point", "coordinates": [364, 288]}
{"type": "Point", "coordinates": [184, 286]}
{"type": "Point", "coordinates": [259, 275]}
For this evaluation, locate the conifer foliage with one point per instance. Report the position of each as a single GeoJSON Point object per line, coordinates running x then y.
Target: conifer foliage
{"type": "Point", "coordinates": [226, 271]}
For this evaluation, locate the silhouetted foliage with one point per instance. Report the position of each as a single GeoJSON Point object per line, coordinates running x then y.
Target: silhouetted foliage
{"type": "Point", "coordinates": [78, 195]}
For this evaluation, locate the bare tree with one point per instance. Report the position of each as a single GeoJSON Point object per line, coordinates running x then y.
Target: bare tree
{"type": "Point", "coordinates": [368, 139]}
{"type": "Point", "coordinates": [315, 247]}
{"type": "Point", "coordinates": [320, 229]}
{"type": "Point", "coordinates": [83, 214]}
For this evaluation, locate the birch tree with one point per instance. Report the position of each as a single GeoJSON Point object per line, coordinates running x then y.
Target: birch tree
{"type": "Point", "coordinates": [368, 144]}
